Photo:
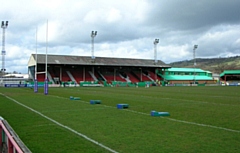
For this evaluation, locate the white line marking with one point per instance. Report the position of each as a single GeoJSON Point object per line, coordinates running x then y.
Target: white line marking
{"type": "Point", "coordinates": [66, 127]}
{"type": "Point", "coordinates": [205, 125]}
{"type": "Point", "coordinates": [203, 102]}
{"type": "Point", "coordinates": [172, 119]}
{"type": "Point", "coordinates": [76, 110]}
{"type": "Point", "coordinates": [193, 123]}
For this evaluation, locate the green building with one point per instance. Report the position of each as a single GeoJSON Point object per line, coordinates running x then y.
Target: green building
{"type": "Point", "coordinates": [230, 77]}
{"type": "Point", "coordinates": [186, 76]}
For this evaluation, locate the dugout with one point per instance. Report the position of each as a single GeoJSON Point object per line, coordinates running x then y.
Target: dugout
{"type": "Point", "coordinates": [230, 77]}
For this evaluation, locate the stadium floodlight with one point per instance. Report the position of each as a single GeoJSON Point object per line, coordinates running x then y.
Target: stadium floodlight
{"type": "Point", "coordinates": [93, 34]}
{"type": "Point", "coordinates": [156, 41]}
{"type": "Point", "coordinates": [194, 58]}
{"type": "Point", "coordinates": [3, 26]}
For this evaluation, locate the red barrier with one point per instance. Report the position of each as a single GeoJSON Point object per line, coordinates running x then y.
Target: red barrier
{"type": "Point", "coordinates": [12, 139]}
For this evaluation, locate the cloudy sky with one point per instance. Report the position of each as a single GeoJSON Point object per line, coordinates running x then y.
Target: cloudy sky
{"type": "Point", "coordinates": [126, 29]}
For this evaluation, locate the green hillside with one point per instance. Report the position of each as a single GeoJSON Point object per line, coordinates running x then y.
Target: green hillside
{"type": "Point", "coordinates": [215, 65]}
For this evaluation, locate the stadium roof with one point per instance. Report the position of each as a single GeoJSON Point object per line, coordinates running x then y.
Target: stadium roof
{"type": "Point", "coordinates": [17, 75]}
{"type": "Point", "coordinates": [186, 70]}
{"type": "Point", "coordinates": [99, 61]}
{"type": "Point", "coordinates": [186, 77]}
{"type": "Point", "coordinates": [230, 72]}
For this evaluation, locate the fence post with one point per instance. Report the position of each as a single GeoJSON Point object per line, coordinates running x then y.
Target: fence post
{"type": "Point", "coordinates": [10, 146]}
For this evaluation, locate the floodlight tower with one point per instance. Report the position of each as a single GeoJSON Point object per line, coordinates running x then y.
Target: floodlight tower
{"type": "Point", "coordinates": [93, 34]}
{"type": "Point", "coordinates": [156, 41]}
{"type": "Point", "coordinates": [194, 53]}
{"type": "Point", "coordinates": [3, 26]}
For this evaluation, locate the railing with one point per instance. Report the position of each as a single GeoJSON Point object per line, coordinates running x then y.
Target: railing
{"type": "Point", "coordinates": [9, 140]}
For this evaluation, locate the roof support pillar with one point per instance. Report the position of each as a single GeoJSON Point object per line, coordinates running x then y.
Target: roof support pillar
{"type": "Point", "coordinates": [83, 73]}
{"type": "Point", "coordinates": [114, 74]}
{"type": "Point", "coordinates": [93, 73]}
{"type": "Point", "coordinates": [156, 74]}
{"type": "Point", "coordinates": [141, 74]}
{"type": "Point", "coordinates": [225, 79]}
{"type": "Point", "coordinates": [60, 74]}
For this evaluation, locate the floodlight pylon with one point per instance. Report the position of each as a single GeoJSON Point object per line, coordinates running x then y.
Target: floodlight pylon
{"type": "Point", "coordinates": [4, 25]}
{"type": "Point", "coordinates": [93, 34]}
{"type": "Point", "coordinates": [155, 42]}
{"type": "Point", "coordinates": [194, 59]}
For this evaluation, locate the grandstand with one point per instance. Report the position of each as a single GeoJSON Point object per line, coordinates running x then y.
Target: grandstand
{"type": "Point", "coordinates": [230, 77]}
{"type": "Point", "coordinates": [14, 79]}
{"type": "Point", "coordinates": [186, 76]}
{"type": "Point", "coordinates": [103, 70]}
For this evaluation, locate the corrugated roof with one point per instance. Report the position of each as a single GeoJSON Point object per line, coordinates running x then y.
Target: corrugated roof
{"type": "Point", "coordinates": [101, 61]}
{"type": "Point", "coordinates": [186, 77]}
{"type": "Point", "coordinates": [230, 72]}
{"type": "Point", "coordinates": [186, 70]}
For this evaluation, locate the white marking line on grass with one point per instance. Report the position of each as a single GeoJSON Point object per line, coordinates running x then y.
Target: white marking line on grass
{"type": "Point", "coordinates": [211, 126]}
{"type": "Point", "coordinates": [203, 102]}
{"type": "Point", "coordinates": [193, 123]}
{"type": "Point", "coordinates": [43, 125]}
{"type": "Point", "coordinates": [172, 119]}
{"type": "Point", "coordinates": [71, 110]}
{"type": "Point", "coordinates": [66, 127]}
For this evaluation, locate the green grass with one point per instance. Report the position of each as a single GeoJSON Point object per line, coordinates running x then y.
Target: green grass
{"type": "Point", "coordinates": [201, 119]}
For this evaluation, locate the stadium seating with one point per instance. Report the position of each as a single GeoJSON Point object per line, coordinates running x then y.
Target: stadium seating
{"type": "Point", "coordinates": [77, 74]}
{"type": "Point", "coordinates": [144, 77]}
{"type": "Point", "coordinates": [119, 78]}
{"type": "Point", "coordinates": [153, 76]}
{"type": "Point", "coordinates": [65, 76]}
{"type": "Point", "coordinates": [88, 77]}
{"type": "Point", "coordinates": [109, 76]}
{"type": "Point", "coordinates": [104, 75]}
{"type": "Point", "coordinates": [41, 77]}
{"type": "Point", "coordinates": [132, 77]}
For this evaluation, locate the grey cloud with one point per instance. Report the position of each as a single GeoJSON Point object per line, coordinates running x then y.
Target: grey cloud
{"type": "Point", "coordinates": [191, 15]}
{"type": "Point", "coordinates": [212, 24]}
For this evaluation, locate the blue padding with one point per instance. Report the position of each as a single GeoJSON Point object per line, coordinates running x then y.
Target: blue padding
{"type": "Point", "coordinates": [76, 98]}
{"type": "Point", "coordinates": [95, 101]}
{"type": "Point", "coordinates": [155, 113]}
{"type": "Point", "coordinates": [122, 106]}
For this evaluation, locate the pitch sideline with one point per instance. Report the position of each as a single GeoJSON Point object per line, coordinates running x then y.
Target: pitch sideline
{"type": "Point", "coordinates": [66, 127]}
